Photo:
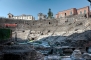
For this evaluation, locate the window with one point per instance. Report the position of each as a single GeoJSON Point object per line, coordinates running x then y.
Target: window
{"type": "Point", "coordinates": [60, 15]}
{"type": "Point", "coordinates": [80, 12]}
{"type": "Point", "coordinates": [56, 16]}
{"type": "Point", "coordinates": [16, 17]}
{"type": "Point", "coordinates": [84, 11]}
{"type": "Point", "coordinates": [20, 17]}
{"type": "Point", "coordinates": [71, 13]}
{"type": "Point", "coordinates": [23, 17]}
{"type": "Point", "coordinates": [26, 17]}
{"type": "Point", "coordinates": [29, 17]}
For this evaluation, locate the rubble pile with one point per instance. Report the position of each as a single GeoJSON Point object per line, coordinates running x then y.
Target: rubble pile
{"type": "Point", "coordinates": [77, 55]}
{"type": "Point", "coordinates": [46, 45]}
{"type": "Point", "coordinates": [76, 39]}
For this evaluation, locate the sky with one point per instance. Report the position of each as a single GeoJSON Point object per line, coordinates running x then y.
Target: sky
{"type": "Point", "coordinates": [33, 7]}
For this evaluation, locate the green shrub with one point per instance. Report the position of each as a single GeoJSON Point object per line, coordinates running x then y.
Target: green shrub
{"type": "Point", "coordinates": [5, 34]}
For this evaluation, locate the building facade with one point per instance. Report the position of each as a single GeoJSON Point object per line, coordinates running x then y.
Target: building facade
{"type": "Point", "coordinates": [41, 16]}
{"type": "Point", "coordinates": [23, 16]}
{"type": "Point", "coordinates": [74, 11]}
{"type": "Point", "coordinates": [84, 10]}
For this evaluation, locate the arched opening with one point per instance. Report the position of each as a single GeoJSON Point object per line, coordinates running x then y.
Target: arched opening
{"type": "Point", "coordinates": [42, 34]}
{"type": "Point", "coordinates": [23, 31]}
{"type": "Point", "coordinates": [48, 31]}
{"type": "Point", "coordinates": [32, 38]}
{"type": "Point", "coordinates": [49, 23]}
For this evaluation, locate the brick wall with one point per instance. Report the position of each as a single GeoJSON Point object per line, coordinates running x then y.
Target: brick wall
{"type": "Point", "coordinates": [84, 10]}
{"type": "Point", "coordinates": [74, 11]}
{"type": "Point", "coordinates": [67, 12]}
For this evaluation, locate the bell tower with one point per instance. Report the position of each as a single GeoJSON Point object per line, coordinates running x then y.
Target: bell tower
{"type": "Point", "coordinates": [10, 15]}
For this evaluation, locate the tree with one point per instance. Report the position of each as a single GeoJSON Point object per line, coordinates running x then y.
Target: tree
{"type": "Point", "coordinates": [50, 14]}
{"type": "Point", "coordinates": [89, 2]}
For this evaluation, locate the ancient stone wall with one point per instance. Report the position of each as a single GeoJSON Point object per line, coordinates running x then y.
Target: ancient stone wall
{"type": "Point", "coordinates": [63, 27]}
{"type": "Point", "coordinates": [29, 25]}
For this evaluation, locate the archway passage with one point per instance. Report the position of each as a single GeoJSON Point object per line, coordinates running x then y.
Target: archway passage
{"type": "Point", "coordinates": [11, 57]}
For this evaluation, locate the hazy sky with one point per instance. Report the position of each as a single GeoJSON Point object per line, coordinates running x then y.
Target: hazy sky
{"type": "Point", "coordinates": [33, 7]}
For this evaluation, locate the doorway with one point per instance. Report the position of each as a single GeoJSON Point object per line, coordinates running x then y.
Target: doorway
{"type": "Point", "coordinates": [65, 14]}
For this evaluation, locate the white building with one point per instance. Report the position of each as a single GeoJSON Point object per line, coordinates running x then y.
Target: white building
{"type": "Point", "coordinates": [41, 16]}
{"type": "Point", "coordinates": [23, 16]}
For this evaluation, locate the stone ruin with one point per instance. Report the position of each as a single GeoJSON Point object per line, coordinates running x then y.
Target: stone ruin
{"type": "Point", "coordinates": [58, 32]}
{"type": "Point", "coordinates": [20, 52]}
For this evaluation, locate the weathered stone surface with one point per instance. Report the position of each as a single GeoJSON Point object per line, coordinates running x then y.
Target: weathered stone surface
{"type": "Point", "coordinates": [21, 52]}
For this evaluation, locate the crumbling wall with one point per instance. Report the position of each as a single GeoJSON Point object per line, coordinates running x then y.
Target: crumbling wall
{"type": "Point", "coordinates": [26, 24]}
{"type": "Point", "coordinates": [62, 26]}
